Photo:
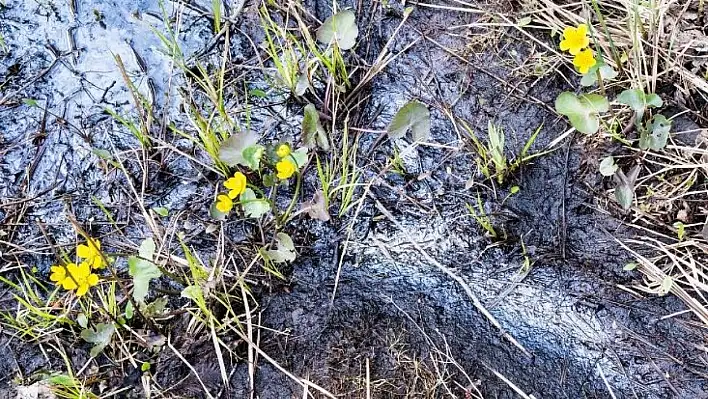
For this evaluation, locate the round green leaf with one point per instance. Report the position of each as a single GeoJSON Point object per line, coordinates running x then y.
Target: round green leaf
{"type": "Point", "coordinates": [340, 28]}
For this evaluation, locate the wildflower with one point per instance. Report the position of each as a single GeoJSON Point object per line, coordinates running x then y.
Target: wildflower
{"type": "Point", "coordinates": [73, 277]}
{"type": "Point", "coordinates": [285, 169]}
{"type": "Point", "coordinates": [224, 203]}
{"type": "Point", "coordinates": [91, 252]}
{"type": "Point", "coordinates": [282, 151]}
{"type": "Point", "coordinates": [584, 60]}
{"type": "Point", "coordinates": [236, 185]}
{"type": "Point", "coordinates": [575, 39]}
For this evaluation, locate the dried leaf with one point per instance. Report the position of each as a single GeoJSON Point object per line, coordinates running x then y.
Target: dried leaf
{"type": "Point", "coordinates": [317, 208]}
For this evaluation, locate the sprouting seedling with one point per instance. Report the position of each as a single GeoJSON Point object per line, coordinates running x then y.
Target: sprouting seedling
{"type": "Point", "coordinates": [583, 111]}
{"type": "Point", "coordinates": [341, 29]}
{"type": "Point", "coordinates": [496, 149]}
{"type": "Point", "coordinates": [624, 186]}
{"type": "Point", "coordinates": [414, 116]}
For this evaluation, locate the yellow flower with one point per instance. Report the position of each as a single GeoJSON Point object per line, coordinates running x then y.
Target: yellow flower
{"type": "Point", "coordinates": [91, 252]}
{"type": "Point", "coordinates": [575, 39]}
{"type": "Point", "coordinates": [224, 203]}
{"type": "Point", "coordinates": [584, 60]}
{"type": "Point", "coordinates": [73, 277]}
{"type": "Point", "coordinates": [285, 169]}
{"type": "Point", "coordinates": [282, 151]}
{"type": "Point", "coordinates": [236, 185]}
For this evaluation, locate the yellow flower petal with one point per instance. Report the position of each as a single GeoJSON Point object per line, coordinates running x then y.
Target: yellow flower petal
{"type": "Point", "coordinates": [97, 262]}
{"type": "Point", "coordinates": [83, 289]}
{"type": "Point", "coordinates": [236, 185]}
{"type": "Point", "coordinates": [92, 280]}
{"type": "Point", "coordinates": [82, 271]}
{"type": "Point", "coordinates": [68, 284]}
{"type": "Point", "coordinates": [224, 203]}
{"type": "Point", "coordinates": [286, 168]}
{"type": "Point", "coordinates": [83, 251]}
{"type": "Point", "coordinates": [584, 60]}
{"type": "Point", "coordinates": [58, 274]}
{"type": "Point", "coordinates": [575, 39]}
{"type": "Point", "coordinates": [282, 151]}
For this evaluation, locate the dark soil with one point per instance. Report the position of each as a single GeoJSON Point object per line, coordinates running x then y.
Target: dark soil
{"type": "Point", "coordinates": [392, 308]}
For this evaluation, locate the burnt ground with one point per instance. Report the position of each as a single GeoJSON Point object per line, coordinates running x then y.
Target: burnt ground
{"type": "Point", "coordinates": [393, 308]}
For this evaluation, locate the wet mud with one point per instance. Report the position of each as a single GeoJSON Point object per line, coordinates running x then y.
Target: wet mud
{"type": "Point", "coordinates": [393, 309]}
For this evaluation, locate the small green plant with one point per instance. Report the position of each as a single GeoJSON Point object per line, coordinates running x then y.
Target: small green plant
{"type": "Point", "coordinates": [496, 150]}
{"type": "Point", "coordinates": [481, 217]}
{"type": "Point", "coordinates": [277, 165]}
{"type": "Point", "coordinates": [655, 132]}
{"type": "Point", "coordinates": [491, 159]}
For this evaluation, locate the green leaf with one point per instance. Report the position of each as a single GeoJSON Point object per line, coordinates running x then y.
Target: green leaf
{"type": "Point", "coordinates": [657, 134]}
{"type": "Point", "coordinates": [100, 337]}
{"type": "Point", "coordinates": [231, 150]}
{"type": "Point", "coordinates": [303, 83]}
{"type": "Point", "coordinates": [606, 72]}
{"type": "Point", "coordinates": [634, 98]}
{"type": "Point", "coordinates": [524, 21]}
{"type": "Point", "coordinates": [156, 307]}
{"type": "Point", "coordinates": [284, 249]}
{"type": "Point", "coordinates": [253, 206]}
{"type": "Point", "coordinates": [583, 111]}
{"type": "Point", "coordinates": [653, 100]}
{"type": "Point", "coordinates": [129, 310]}
{"type": "Point", "coordinates": [164, 212]}
{"type": "Point", "coordinates": [216, 214]}
{"type": "Point", "coordinates": [313, 134]}
{"type": "Point", "coordinates": [193, 292]}
{"type": "Point", "coordinates": [30, 102]}
{"type": "Point", "coordinates": [63, 380]}
{"type": "Point", "coordinates": [608, 167]}
{"type": "Point", "coordinates": [625, 196]}
{"type": "Point", "coordinates": [143, 270]}
{"type": "Point", "coordinates": [82, 320]}
{"type": "Point", "coordinates": [300, 157]}
{"type": "Point", "coordinates": [252, 156]}
{"type": "Point", "coordinates": [415, 116]}
{"type": "Point", "coordinates": [258, 93]}
{"type": "Point", "coordinates": [340, 27]}
{"type": "Point", "coordinates": [630, 266]}
{"type": "Point", "coordinates": [145, 367]}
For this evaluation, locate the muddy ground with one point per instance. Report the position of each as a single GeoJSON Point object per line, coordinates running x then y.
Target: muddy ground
{"type": "Point", "coordinates": [393, 307]}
